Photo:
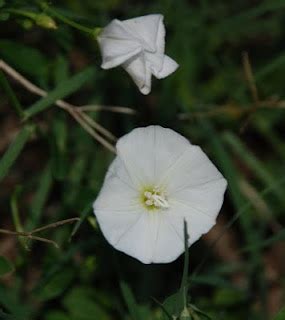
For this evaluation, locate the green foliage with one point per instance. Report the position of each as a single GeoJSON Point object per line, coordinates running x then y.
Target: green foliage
{"type": "Point", "coordinates": [5, 266]}
{"type": "Point", "coordinates": [52, 169]}
{"type": "Point", "coordinates": [280, 315]}
{"type": "Point", "coordinates": [14, 150]}
{"type": "Point", "coordinates": [64, 89]}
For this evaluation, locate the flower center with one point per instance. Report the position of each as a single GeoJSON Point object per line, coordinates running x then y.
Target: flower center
{"type": "Point", "coordinates": [155, 199]}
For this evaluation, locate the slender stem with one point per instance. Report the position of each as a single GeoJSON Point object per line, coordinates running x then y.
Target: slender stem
{"type": "Point", "coordinates": [92, 31]}
{"type": "Point", "coordinates": [55, 225]}
{"type": "Point", "coordinates": [21, 12]}
{"type": "Point", "coordinates": [186, 261]}
{"type": "Point", "coordinates": [30, 235]}
{"type": "Point", "coordinates": [98, 127]}
{"type": "Point", "coordinates": [96, 136]}
{"type": "Point", "coordinates": [115, 109]}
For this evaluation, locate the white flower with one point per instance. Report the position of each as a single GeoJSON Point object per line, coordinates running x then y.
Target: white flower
{"type": "Point", "coordinates": [138, 45]}
{"type": "Point", "coordinates": [157, 180]}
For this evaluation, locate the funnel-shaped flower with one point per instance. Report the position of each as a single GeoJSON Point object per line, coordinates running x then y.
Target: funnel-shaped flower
{"type": "Point", "coordinates": [157, 180]}
{"type": "Point", "coordinates": [138, 46]}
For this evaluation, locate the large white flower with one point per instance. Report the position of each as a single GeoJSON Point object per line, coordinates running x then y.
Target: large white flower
{"type": "Point", "coordinates": [138, 45]}
{"type": "Point", "coordinates": [157, 180]}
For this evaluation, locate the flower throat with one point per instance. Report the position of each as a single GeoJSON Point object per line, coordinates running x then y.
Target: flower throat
{"type": "Point", "coordinates": [155, 199]}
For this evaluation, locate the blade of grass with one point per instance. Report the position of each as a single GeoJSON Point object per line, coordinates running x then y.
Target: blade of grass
{"type": "Point", "coordinates": [184, 282]}
{"type": "Point", "coordinates": [16, 217]}
{"type": "Point", "coordinates": [253, 163]}
{"type": "Point", "coordinates": [40, 198]}
{"type": "Point", "coordinates": [64, 89]}
{"type": "Point", "coordinates": [14, 150]}
{"type": "Point", "coordinates": [232, 177]}
{"type": "Point", "coordinates": [11, 95]}
{"type": "Point", "coordinates": [130, 301]}
{"type": "Point", "coordinates": [83, 216]}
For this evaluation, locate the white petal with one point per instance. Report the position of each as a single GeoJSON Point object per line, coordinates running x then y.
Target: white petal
{"type": "Point", "coordinates": [198, 223]}
{"type": "Point", "coordinates": [117, 207]}
{"type": "Point", "coordinates": [139, 239]}
{"type": "Point", "coordinates": [191, 170]}
{"type": "Point", "coordinates": [169, 243]}
{"type": "Point", "coordinates": [168, 67]}
{"type": "Point", "coordinates": [206, 198]}
{"type": "Point", "coordinates": [117, 45]}
{"type": "Point", "coordinates": [149, 152]}
{"type": "Point", "coordinates": [149, 29]}
{"type": "Point", "coordinates": [140, 73]}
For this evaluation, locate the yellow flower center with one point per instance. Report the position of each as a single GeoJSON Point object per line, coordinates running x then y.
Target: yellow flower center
{"type": "Point", "coordinates": [154, 198]}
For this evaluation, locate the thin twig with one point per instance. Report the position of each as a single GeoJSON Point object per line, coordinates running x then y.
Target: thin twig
{"type": "Point", "coordinates": [71, 109]}
{"type": "Point", "coordinates": [115, 109]}
{"type": "Point", "coordinates": [55, 225]}
{"type": "Point", "coordinates": [30, 235]}
{"type": "Point", "coordinates": [95, 135]}
{"type": "Point", "coordinates": [98, 127]}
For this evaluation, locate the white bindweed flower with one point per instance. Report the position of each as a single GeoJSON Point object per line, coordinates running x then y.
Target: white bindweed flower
{"type": "Point", "coordinates": [138, 46]}
{"type": "Point", "coordinates": [157, 180]}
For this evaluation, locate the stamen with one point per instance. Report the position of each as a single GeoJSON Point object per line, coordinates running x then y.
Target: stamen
{"type": "Point", "coordinates": [155, 198]}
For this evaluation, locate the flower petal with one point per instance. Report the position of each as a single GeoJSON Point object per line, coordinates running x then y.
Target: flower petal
{"type": "Point", "coordinates": [117, 45]}
{"type": "Point", "coordinates": [139, 238]}
{"type": "Point", "coordinates": [149, 29]}
{"type": "Point", "coordinates": [191, 170]}
{"type": "Point", "coordinates": [117, 206]}
{"type": "Point", "coordinates": [168, 67]}
{"type": "Point", "coordinates": [197, 223]}
{"type": "Point", "coordinates": [206, 198]}
{"type": "Point", "coordinates": [169, 243]}
{"type": "Point", "coordinates": [149, 152]}
{"type": "Point", "coordinates": [140, 73]}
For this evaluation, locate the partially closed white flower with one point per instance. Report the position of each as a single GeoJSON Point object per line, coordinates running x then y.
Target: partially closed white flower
{"type": "Point", "coordinates": [157, 180]}
{"type": "Point", "coordinates": [138, 45]}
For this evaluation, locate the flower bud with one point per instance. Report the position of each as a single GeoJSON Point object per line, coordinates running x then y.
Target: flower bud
{"type": "Point", "coordinates": [45, 21]}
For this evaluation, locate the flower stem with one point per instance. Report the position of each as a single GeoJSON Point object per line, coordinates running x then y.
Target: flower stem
{"type": "Point", "coordinates": [92, 31]}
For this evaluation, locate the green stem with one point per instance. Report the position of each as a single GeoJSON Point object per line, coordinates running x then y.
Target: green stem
{"type": "Point", "coordinates": [184, 282]}
{"type": "Point", "coordinates": [92, 31]}
{"type": "Point", "coordinates": [20, 12]}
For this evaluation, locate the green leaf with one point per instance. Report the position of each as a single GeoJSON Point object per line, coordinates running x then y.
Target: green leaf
{"type": "Point", "coordinates": [40, 198]}
{"type": "Point", "coordinates": [82, 305]}
{"type": "Point", "coordinates": [10, 93]}
{"type": "Point", "coordinates": [253, 163]}
{"type": "Point", "coordinates": [130, 301]}
{"type": "Point", "coordinates": [58, 145]}
{"type": "Point", "coordinates": [64, 89]}
{"type": "Point", "coordinates": [25, 59]}
{"type": "Point", "coordinates": [5, 266]}
{"type": "Point", "coordinates": [280, 315]}
{"type": "Point", "coordinates": [14, 150]}
{"type": "Point", "coordinates": [83, 216]}
{"type": "Point", "coordinates": [56, 315]}
{"type": "Point", "coordinates": [4, 16]}
{"type": "Point", "coordinates": [57, 285]}
{"type": "Point", "coordinates": [174, 304]}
